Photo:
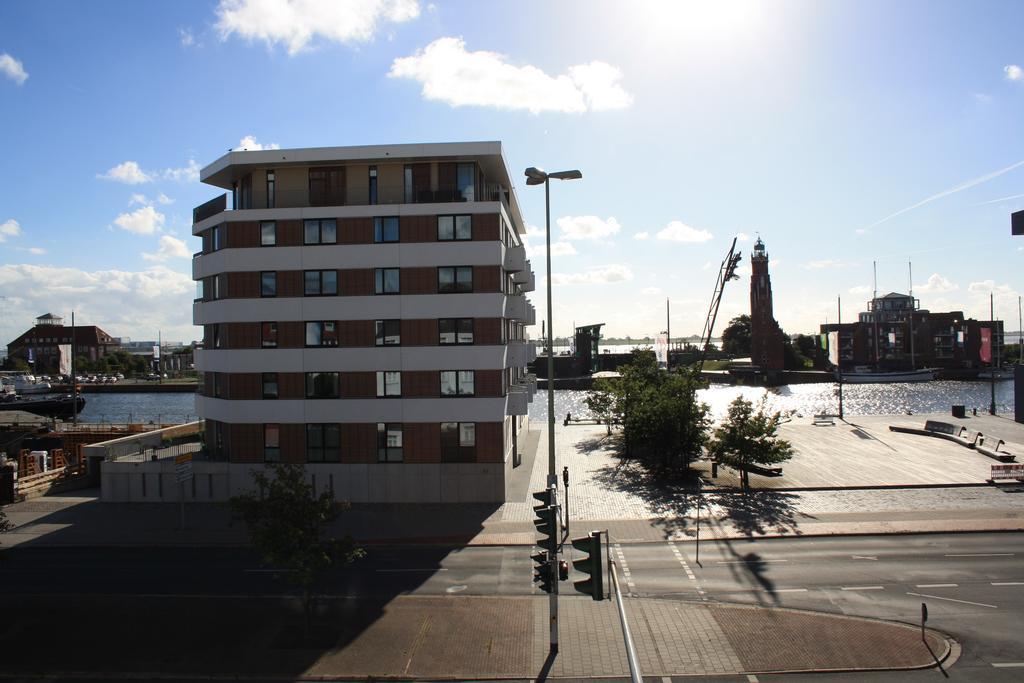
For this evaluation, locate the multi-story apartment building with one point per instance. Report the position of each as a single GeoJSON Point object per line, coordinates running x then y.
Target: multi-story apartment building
{"type": "Point", "coordinates": [363, 313]}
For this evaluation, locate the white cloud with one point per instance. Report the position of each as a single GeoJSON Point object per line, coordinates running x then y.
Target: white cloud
{"type": "Point", "coordinates": [35, 250]}
{"type": "Point", "coordinates": [936, 283]}
{"type": "Point", "coordinates": [143, 221]}
{"type": "Point", "coordinates": [824, 263]}
{"type": "Point", "coordinates": [121, 302]}
{"type": "Point", "coordinates": [295, 23]}
{"type": "Point", "coordinates": [13, 69]}
{"type": "Point", "coordinates": [164, 199]}
{"type": "Point", "coordinates": [557, 249]}
{"type": "Point", "coordinates": [534, 231]}
{"type": "Point", "coordinates": [138, 198]}
{"type": "Point", "coordinates": [187, 39]}
{"type": "Point", "coordinates": [860, 289]}
{"type": "Point", "coordinates": [170, 248]}
{"type": "Point", "coordinates": [9, 228]}
{"type": "Point", "coordinates": [650, 291]}
{"type": "Point", "coordinates": [677, 231]}
{"type": "Point", "coordinates": [982, 97]}
{"type": "Point", "coordinates": [188, 173]}
{"type": "Point", "coordinates": [250, 144]}
{"type": "Point", "coordinates": [1013, 72]}
{"type": "Point", "coordinates": [706, 266]}
{"type": "Point", "coordinates": [451, 74]}
{"type": "Point", "coordinates": [595, 276]}
{"type": "Point", "coordinates": [587, 227]}
{"type": "Point", "coordinates": [127, 172]}
{"type": "Point", "coordinates": [742, 237]}
{"type": "Point", "coordinates": [641, 235]}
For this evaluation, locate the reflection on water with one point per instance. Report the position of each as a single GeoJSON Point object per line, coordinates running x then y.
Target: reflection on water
{"type": "Point", "coordinates": [812, 399]}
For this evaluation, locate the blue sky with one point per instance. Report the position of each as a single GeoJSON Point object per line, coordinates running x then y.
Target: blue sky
{"type": "Point", "coordinates": [841, 132]}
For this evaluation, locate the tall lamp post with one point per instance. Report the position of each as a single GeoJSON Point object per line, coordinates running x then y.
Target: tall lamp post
{"type": "Point", "coordinates": [536, 176]}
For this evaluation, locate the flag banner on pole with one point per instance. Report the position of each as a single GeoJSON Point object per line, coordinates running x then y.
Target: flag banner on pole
{"type": "Point", "coordinates": [986, 345]}
{"type": "Point", "coordinates": [960, 337]}
{"type": "Point", "coordinates": [833, 348]}
{"type": "Point", "coordinates": [892, 339]}
{"type": "Point", "coordinates": [65, 359]}
{"type": "Point", "coordinates": [823, 341]}
{"type": "Point", "coordinates": [661, 350]}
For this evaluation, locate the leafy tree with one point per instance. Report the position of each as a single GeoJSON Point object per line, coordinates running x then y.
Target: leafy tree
{"type": "Point", "coordinates": [748, 437]}
{"type": "Point", "coordinates": [807, 345]}
{"type": "Point", "coordinates": [736, 336]}
{"type": "Point", "coordinates": [659, 411]}
{"type": "Point", "coordinates": [287, 524]}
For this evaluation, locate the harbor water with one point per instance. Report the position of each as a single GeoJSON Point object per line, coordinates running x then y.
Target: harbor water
{"type": "Point", "coordinates": [805, 399]}
{"type": "Point", "coordinates": [815, 399]}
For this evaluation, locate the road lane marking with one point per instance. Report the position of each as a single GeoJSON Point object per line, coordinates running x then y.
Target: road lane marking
{"type": "Point", "coordinates": [980, 555]}
{"type": "Point", "coordinates": [1008, 583]}
{"type": "Point", "coordinates": [864, 557]}
{"type": "Point", "coordinates": [862, 588]}
{"type": "Point", "coordinates": [625, 569]}
{"type": "Point", "coordinates": [965, 602]}
{"type": "Point", "coordinates": [1008, 665]}
{"type": "Point", "coordinates": [935, 585]}
{"type": "Point", "coordinates": [786, 590]}
{"type": "Point", "coordinates": [751, 678]}
{"type": "Point", "coordinates": [689, 572]}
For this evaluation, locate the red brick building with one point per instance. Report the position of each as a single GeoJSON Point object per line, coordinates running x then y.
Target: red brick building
{"type": "Point", "coordinates": [766, 341]}
{"type": "Point", "coordinates": [50, 333]}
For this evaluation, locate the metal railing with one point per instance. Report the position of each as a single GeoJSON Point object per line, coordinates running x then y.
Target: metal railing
{"type": "Point", "coordinates": [385, 195]}
{"type": "Point", "coordinates": [634, 664]}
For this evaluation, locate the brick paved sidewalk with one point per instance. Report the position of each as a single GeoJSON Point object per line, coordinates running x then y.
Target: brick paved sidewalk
{"type": "Point", "coordinates": [444, 637]}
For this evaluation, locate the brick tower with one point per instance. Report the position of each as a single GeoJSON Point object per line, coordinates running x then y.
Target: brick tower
{"type": "Point", "coordinates": [765, 333]}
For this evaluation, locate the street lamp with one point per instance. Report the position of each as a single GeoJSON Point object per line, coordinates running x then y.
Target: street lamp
{"type": "Point", "coordinates": [536, 176]}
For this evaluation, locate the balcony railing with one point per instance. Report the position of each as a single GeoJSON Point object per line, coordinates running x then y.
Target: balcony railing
{"type": "Point", "coordinates": [362, 196]}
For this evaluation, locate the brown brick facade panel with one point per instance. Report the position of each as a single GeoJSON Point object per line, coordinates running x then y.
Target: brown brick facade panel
{"type": "Point", "coordinates": [291, 385]}
{"type": "Point", "coordinates": [487, 383]}
{"type": "Point", "coordinates": [356, 282]}
{"type": "Point", "coordinates": [489, 442]}
{"type": "Point", "coordinates": [293, 443]}
{"type": "Point", "coordinates": [359, 443]}
{"type": "Point", "coordinates": [487, 278]}
{"type": "Point", "coordinates": [421, 384]}
{"type": "Point", "coordinates": [417, 229]}
{"type": "Point", "coordinates": [487, 331]}
{"type": "Point", "coordinates": [356, 333]}
{"type": "Point", "coordinates": [419, 332]}
{"type": "Point", "coordinates": [289, 283]}
{"type": "Point", "coordinates": [246, 442]}
{"type": "Point", "coordinates": [486, 227]}
{"type": "Point", "coordinates": [243, 285]}
{"type": "Point", "coordinates": [289, 233]}
{"type": "Point", "coordinates": [243, 234]}
{"type": "Point", "coordinates": [358, 385]}
{"type": "Point", "coordinates": [355, 231]}
{"type": "Point", "coordinates": [244, 386]}
{"type": "Point", "coordinates": [243, 336]}
{"type": "Point", "coordinates": [291, 334]}
{"type": "Point", "coordinates": [421, 442]}
{"type": "Point", "coordinates": [418, 280]}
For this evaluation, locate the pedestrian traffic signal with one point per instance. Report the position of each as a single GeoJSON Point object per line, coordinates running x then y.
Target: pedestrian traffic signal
{"type": "Point", "coordinates": [592, 564]}
{"type": "Point", "coordinates": [545, 497]}
{"type": "Point", "coordinates": [542, 570]}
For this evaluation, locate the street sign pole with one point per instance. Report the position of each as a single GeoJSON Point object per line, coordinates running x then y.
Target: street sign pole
{"type": "Point", "coordinates": [924, 618]}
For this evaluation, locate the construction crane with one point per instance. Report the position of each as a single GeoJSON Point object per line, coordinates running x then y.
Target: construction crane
{"type": "Point", "coordinates": [726, 272]}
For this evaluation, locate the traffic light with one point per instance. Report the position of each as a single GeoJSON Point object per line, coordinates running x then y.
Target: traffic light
{"type": "Point", "coordinates": [542, 570]}
{"type": "Point", "coordinates": [547, 526]}
{"type": "Point", "coordinates": [592, 564]}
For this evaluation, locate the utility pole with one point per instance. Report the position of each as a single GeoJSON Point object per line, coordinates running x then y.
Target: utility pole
{"type": "Point", "coordinates": [74, 383]}
{"type": "Point", "coordinates": [668, 333]}
{"type": "Point", "coordinates": [992, 342]}
{"type": "Point", "coordinates": [839, 351]}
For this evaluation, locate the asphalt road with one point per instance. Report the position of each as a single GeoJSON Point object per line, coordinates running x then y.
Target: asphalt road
{"type": "Point", "coordinates": [973, 584]}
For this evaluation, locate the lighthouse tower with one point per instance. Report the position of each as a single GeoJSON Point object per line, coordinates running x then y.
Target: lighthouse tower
{"type": "Point", "coordinates": [765, 334]}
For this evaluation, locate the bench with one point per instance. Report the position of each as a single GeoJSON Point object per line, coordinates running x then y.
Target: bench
{"type": "Point", "coordinates": [951, 432]}
{"type": "Point", "coordinates": [765, 471]}
{"type": "Point", "coordinates": [823, 421]}
{"type": "Point", "coordinates": [994, 453]}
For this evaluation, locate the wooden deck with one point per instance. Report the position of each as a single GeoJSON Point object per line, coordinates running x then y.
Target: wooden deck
{"type": "Point", "coordinates": [861, 451]}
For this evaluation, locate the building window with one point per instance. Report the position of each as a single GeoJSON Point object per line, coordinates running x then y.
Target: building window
{"type": "Point", "coordinates": [455, 331]}
{"type": "Point", "coordinates": [458, 441]}
{"type": "Point", "coordinates": [386, 281]}
{"type": "Point", "coordinates": [322, 385]}
{"type": "Point", "coordinates": [271, 443]}
{"type": "Point", "coordinates": [321, 282]}
{"type": "Point", "coordinates": [454, 228]}
{"type": "Point", "coordinates": [216, 237]}
{"type": "Point", "coordinates": [388, 332]}
{"type": "Point", "coordinates": [268, 283]}
{"type": "Point", "coordinates": [327, 186]}
{"type": "Point", "coordinates": [389, 384]}
{"type": "Point", "coordinates": [268, 335]}
{"type": "Point", "coordinates": [323, 443]}
{"type": "Point", "coordinates": [385, 229]}
{"type": "Point", "coordinates": [271, 182]}
{"type": "Point", "coordinates": [268, 233]}
{"type": "Point", "coordinates": [321, 333]}
{"type": "Point", "coordinates": [322, 231]}
{"type": "Point", "coordinates": [199, 290]}
{"type": "Point", "coordinates": [269, 385]}
{"type": "Point", "coordinates": [454, 279]}
{"type": "Point", "coordinates": [389, 442]}
{"type": "Point", "coordinates": [465, 182]}
{"type": "Point", "coordinates": [373, 185]}
{"type": "Point", "coordinates": [217, 336]}
{"type": "Point", "coordinates": [457, 382]}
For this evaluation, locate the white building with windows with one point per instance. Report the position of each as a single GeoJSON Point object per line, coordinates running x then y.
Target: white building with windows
{"type": "Point", "coordinates": [363, 311]}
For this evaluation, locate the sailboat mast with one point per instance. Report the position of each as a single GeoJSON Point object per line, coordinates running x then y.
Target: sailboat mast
{"type": "Point", "coordinates": [874, 306]}
{"type": "Point", "coordinates": [913, 308]}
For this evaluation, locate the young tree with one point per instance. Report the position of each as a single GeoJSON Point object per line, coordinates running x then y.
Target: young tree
{"type": "Point", "coordinates": [748, 437]}
{"type": "Point", "coordinates": [287, 521]}
{"type": "Point", "coordinates": [736, 336]}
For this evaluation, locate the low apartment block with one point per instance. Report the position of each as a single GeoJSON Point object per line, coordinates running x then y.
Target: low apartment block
{"type": "Point", "coordinates": [363, 313]}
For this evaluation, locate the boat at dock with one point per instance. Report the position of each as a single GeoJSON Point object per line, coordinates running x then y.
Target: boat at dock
{"type": "Point", "coordinates": [862, 375]}
{"type": "Point", "coordinates": [53, 405]}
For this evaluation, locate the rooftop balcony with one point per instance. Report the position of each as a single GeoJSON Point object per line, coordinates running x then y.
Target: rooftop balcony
{"type": "Point", "coordinates": [518, 400]}
{"type": "Point", "coordinates": [525, 278]}
{"type": "Point", "coordinates": [515, 258]}
{"type": "Point", "coordinates": [357, 196]}
{"type": "Point", "coordinates": [515, 307]}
